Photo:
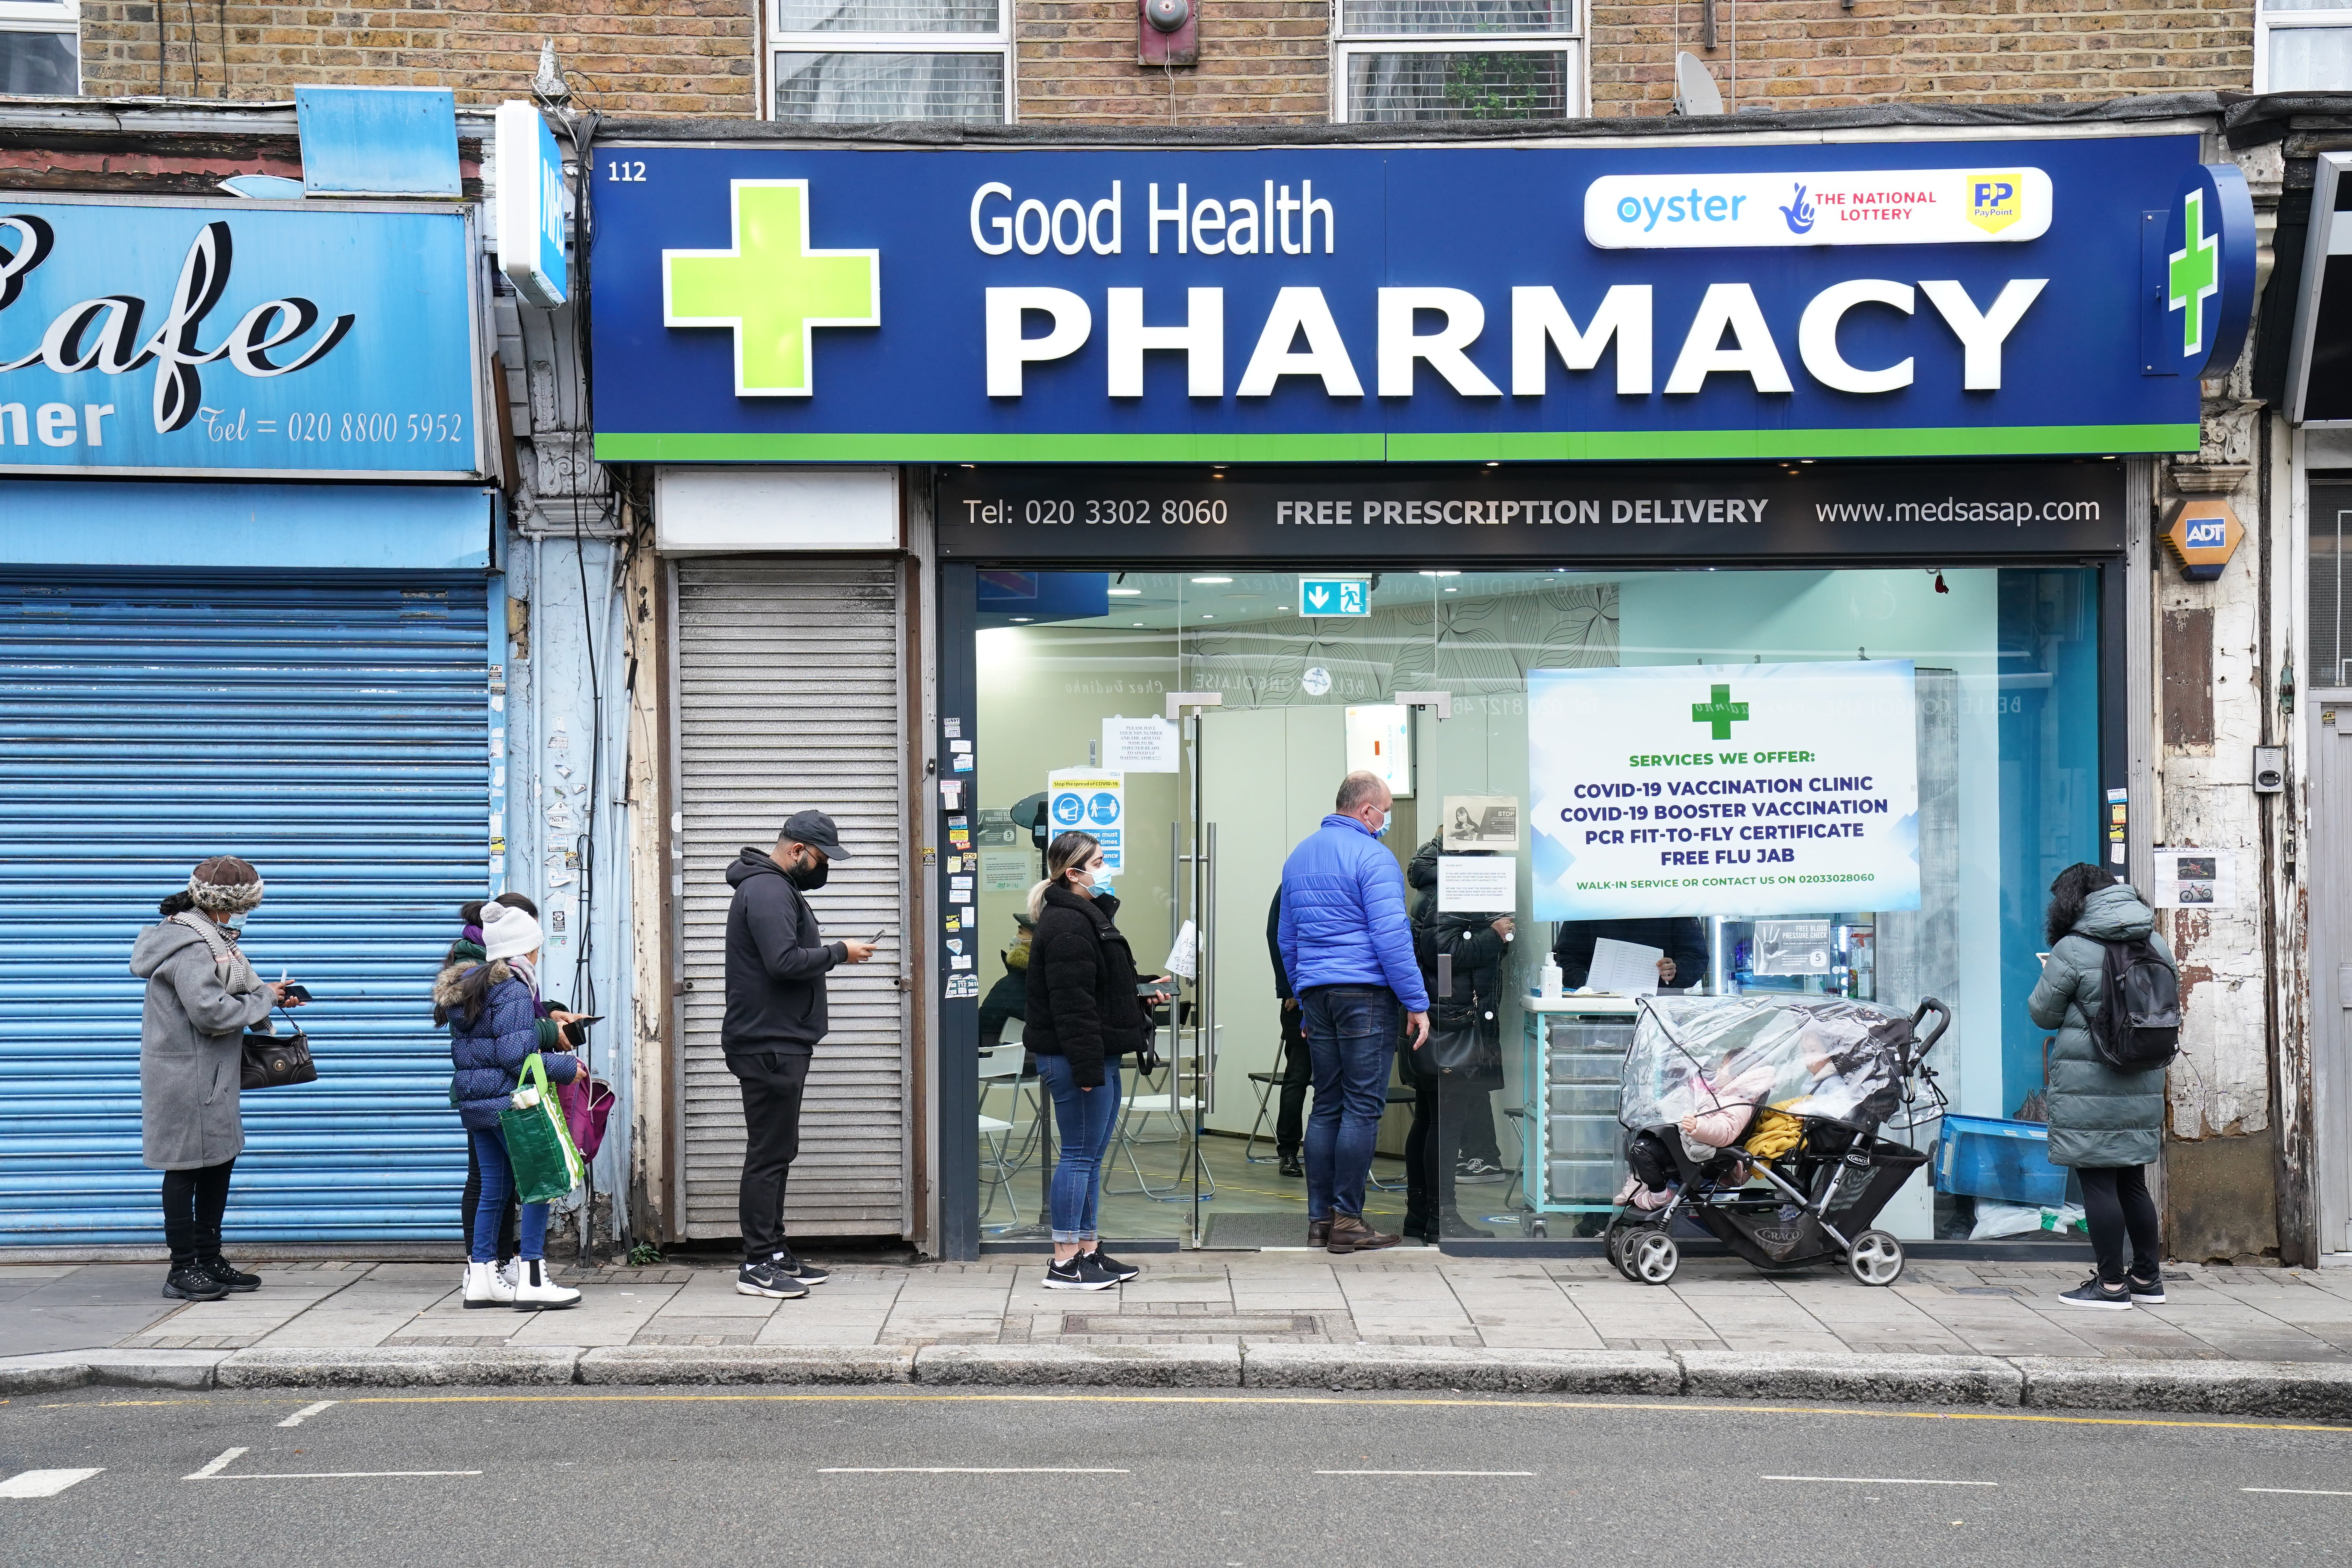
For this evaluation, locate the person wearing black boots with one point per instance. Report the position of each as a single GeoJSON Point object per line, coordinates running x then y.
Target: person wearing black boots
{"type": "Point", "coordinates": [202, 998]}
{"type": "Point", "coordinates": [1298, 1067]}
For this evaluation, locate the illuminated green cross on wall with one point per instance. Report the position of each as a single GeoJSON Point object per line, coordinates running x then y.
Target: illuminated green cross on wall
{"type": "Point", "coordinates": [2193, 273]}
{"type": "Point", "coordinates": [1722, 712]}
{"type": "Point", "coordinates": [771, 289]}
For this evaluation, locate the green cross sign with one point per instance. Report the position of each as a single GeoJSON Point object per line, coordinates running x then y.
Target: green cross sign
{"type": "Point", "coordinates": [771, 289]}
{"type": "Point", "coordinates": [1722, 712]}
{"type": "Point", "coordinates": [2194, 274]}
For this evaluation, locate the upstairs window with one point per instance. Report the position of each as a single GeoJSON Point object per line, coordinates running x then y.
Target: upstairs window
{"type": "Point", "coordinates": [40, 47]}
{"type": "Point", "coordinates": [2303, 45]}
{"type": "Point", "coordinates": [840, 62]}
{"type": "Point", "coordinates": [1399, 60]}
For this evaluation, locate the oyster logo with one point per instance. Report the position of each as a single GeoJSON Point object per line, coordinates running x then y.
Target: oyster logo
{"type": "Point", "coordinates": [107, 334]}
{"type": "Point", "coordinates": [1995, 201]}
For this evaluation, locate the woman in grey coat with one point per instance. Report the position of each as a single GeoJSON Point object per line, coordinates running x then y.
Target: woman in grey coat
{"type": "Point", "coordinates": [202, 996]}
{"type": "Point", "coordinates": [2107, 1125]}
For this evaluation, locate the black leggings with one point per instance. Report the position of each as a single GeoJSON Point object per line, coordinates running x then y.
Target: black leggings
{"type": "Point", "coordinates": [2115, 1205]}
{"type": "Point", "coordinates": [194, 1202]}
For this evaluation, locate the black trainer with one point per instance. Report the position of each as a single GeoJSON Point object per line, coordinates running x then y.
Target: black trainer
{"type": "Point", "coordinates": [189, 1282]}
{"type": "Point", "coordinates": [2145, 1293]}
{"type": "Point", "coordinates": [792, 1267]}
{"type": "Point", "coordinates": [231, 1278]}
{"type": "Point", "coordinates": [766, 1279]}
{"type": "Point", "coordinates": [1122, 1272]}
{"type": "Point", "coordinates": [1294, 1168]}
{"type": "Point", "coordinates": [1078, 1274]}
{"type": "Point", "coordinates": [2095, 1292]}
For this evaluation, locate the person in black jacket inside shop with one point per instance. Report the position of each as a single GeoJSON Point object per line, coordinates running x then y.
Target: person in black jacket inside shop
{"type": "Point", "coordinates": [1682, 940]}
{"type": "Point", "coordinates": [777, 960]}
{"type": "Point", "coordinates": [1297, 1065]}
{"type": "Point", "coordinates": [1452, 1112]}
{"type": "Point", "coordinates": [1084, 1015]}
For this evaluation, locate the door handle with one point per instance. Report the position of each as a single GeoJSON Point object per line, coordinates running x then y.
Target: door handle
{"type": "Point", "coordinates": [1446, 976]}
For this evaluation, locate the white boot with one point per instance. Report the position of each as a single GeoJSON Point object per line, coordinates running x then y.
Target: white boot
{"type": "Point", "coordinates": [486, 1287]}
{"type": "Point", "coordinates": [534, 1291]}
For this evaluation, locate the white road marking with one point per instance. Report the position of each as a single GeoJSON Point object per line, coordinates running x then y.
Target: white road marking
{"type": "Point", "coordinates": [326, 1474]}
{"type": "Point", "coordinates": [2281, 1491]}
{"type": "Point", "coordinates": [307, 1412]}
{"type": "Point", "coordinates": [1424, 1472]}
{"type": "Point", "coordinates": [964, 1470]}
{"type": "Point", "coordinates": [43, 1483]}
{"type": "Point", "coordinates": [227, 1458]}
{"type": "Point", "coordinates": [1879, 1480]}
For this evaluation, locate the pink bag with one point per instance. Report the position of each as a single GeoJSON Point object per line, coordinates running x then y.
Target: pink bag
{"type": "Point", "coordinates": [586, 1108]}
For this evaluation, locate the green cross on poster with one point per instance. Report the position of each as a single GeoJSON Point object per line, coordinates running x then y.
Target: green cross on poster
{"type": "Point", "coordinates": [1722, 712]}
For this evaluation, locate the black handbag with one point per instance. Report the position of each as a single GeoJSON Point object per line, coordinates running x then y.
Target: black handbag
{"type": "Point", "coordinates": [273, 1061]}
{"type": "Point", "coordinates": [1460, 1046]}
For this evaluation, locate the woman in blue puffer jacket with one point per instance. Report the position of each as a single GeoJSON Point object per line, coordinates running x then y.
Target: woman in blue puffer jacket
{"type": "Point", "coordinates": [494, 1029]}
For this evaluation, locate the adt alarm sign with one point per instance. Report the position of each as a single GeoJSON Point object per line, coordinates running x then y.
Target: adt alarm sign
{"type": "Point", "coordinates": [531, 207]}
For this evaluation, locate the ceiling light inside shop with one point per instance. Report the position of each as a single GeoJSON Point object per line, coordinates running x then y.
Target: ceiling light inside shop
{"type": "Point", "coordinates": [1123, 593]}
{"type": "Point", "coordinates": [1441, 573]}
{"type": "Point", "coordinates": [1213, 579]}
{"type": "Point", "coordinates": [1021, 618]}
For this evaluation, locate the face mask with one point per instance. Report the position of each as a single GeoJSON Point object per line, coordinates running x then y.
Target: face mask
{"type": "Point", "coordinates": [809, 876]}
{"type": "Point", "coordinates": [1383, 830]}
{"type": "Point", "coordinates": [234, 923]}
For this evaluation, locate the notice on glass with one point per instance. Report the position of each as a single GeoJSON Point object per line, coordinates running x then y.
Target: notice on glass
{"type": "Point", "coordinates": [1482, 822]}
{"type": "Point", "coordinates": [1623, 968]}
{"type": "Point", "coordinates": [1007, 870]}
{"type": "Point", "coordinates": [1740, 790]}
{"type": "Point", "coordinates": [1089, 800]}
{"type": "Point", "coordinates": [1146, 745]}
{"type": "Point", "coordinates": [2196, 879]}
{"type": "Point", "coordinates": [1478, 884]}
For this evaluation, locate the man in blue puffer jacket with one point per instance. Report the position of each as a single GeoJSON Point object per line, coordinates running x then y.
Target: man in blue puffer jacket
{"type": "Point", "coordinates": [1347, 949]}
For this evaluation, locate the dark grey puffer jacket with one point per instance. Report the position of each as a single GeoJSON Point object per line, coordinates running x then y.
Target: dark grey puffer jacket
{"type": "Point", "coordinates": [2098, 1116]}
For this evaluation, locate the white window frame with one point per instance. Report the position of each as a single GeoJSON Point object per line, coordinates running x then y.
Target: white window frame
{"type": "Point", "coordinates": [998, 43]}
{"type": "Point", "coordinates": [2266, 21]}
{"type": "Point", "coordinates": [1345, 44]}
{"type": "Point", "coordinates": [26, 16]}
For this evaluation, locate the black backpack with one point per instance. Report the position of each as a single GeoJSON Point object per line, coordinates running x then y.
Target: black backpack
{"type": "Point", "coordinates": [2138, 1026]}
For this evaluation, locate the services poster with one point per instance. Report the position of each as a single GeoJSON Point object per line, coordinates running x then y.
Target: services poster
{"type": "Point", "coordinates": [1737, 790]}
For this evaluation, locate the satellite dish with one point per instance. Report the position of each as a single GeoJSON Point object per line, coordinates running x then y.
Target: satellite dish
{"type": "Point", "coordinates": [1695, 91]}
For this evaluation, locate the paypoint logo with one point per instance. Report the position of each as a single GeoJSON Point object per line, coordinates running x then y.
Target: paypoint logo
{"type": "Point", "coordinates": [1996, 201]}
{"type": "Point", "coordinates": [771, 288]}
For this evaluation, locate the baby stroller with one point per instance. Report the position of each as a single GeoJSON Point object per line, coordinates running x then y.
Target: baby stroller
{"type": "Point", "coordinates": [1760, 1118]}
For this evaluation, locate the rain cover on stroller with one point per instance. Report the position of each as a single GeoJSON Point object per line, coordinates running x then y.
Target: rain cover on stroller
{"type": "Point", "coordinates": [1693, 1055]}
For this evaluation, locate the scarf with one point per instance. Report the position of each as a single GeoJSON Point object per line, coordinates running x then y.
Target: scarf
{"type": "Point", "coordinates": [524, 973]}
{"type": "Point", "coordinates": [236, 975]}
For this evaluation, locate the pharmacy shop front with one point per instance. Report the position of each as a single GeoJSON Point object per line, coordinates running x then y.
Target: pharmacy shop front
{"type": "Point", "coordinates": [1722, 548]}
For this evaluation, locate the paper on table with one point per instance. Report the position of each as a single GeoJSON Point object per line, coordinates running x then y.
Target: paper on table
{"type": "Point", "coordinates": [1626, 968]}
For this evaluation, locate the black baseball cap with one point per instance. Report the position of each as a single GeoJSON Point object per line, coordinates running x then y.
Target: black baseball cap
{"type": "Point", "coordinates": [815, 829]}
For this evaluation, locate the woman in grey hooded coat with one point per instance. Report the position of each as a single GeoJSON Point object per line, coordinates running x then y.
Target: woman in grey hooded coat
{"type": "Point", "coordinates": [202, 996]}
{"type": "Point", "coordinates": [2107, 1125]}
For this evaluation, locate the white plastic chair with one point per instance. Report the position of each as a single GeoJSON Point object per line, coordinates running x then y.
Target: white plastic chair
{"type": "Point", "coordinates": [999, 1068]}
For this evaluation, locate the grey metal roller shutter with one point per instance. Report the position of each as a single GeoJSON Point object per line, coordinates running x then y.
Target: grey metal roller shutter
{"type": "Point", "coordinates": [331, 730]}
{"type": "Point", "coordinates": [788, 696]}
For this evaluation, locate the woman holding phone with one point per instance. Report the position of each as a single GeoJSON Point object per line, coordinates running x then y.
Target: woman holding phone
{"type": "Point", "coordinates": [1084, 1015]}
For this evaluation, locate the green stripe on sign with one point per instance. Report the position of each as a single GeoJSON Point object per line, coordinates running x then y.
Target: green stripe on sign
{"type": "Point", "coordinates": [1562, 446]}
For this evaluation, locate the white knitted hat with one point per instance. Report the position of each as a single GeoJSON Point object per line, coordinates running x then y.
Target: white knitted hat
{"type": "Point", "coordinates": [508, 932]}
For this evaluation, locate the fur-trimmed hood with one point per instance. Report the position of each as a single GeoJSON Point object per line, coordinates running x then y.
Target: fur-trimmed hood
{"type": "Point", "coordinates": [444, 984]}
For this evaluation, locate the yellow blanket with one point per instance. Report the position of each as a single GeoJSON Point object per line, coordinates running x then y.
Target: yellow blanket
{"type": "Point", "coordinates": [1776, 1131]}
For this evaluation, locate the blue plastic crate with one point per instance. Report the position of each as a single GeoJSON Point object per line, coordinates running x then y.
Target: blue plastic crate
{"type": "Point", "coordinates": [2009, 1162]}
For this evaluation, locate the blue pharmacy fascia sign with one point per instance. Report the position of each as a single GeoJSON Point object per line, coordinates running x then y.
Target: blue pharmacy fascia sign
{"type": "Point", "coordinates": [244, 339]}
{"type": "Point", "coordinates": [1441, 303]}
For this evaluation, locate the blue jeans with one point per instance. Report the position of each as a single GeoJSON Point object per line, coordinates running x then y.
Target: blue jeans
{"type": "Point", "coordinates": [1084, 1119]}
{"type": "Point", "coordinates": [498, 1183]}
{"type": "Point", "coordinates": [1351, 1038]}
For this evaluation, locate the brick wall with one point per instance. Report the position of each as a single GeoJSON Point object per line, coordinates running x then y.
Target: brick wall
{"type": "Point", "coordinates": [1815, 54]}
{"type": "Point", "coordinates": [1262, 61]}
{"type": "Point", "coordinates": [631, 57]}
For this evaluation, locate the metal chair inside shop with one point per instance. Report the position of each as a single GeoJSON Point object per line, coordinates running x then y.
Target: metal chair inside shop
{"type": "Point", "coordinates": [1268, 1083]}
{"type": "Point", "coordinates": [1136, 1109]}
{"type": "Point", "coordinates": [1398, 1095]}
{"type": "Point", "coordinates": [999, 1068]}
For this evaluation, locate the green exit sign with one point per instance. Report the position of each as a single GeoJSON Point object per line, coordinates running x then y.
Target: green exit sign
{"type": "Point", "coordinates": [1335, 596]}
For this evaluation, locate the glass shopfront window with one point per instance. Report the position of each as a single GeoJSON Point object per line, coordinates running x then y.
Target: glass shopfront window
{"type": "Point", "coordinates": [1976, 689]}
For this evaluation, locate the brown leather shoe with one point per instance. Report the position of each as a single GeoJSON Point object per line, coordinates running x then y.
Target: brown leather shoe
{"type": "Point", "coordinates": [1319, 1232]}
{"type": "Point", "coordinates": [1350, 1234]}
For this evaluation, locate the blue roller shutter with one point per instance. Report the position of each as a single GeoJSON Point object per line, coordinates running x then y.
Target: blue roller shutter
{"type": "Point", "coordinates": [333, 732]}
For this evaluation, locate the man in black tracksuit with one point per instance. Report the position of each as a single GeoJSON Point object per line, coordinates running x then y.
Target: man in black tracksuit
{"type": "Point", "coordinates": [776, 963]}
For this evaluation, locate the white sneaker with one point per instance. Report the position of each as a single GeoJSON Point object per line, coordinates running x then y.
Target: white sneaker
{"type": "Point", "coordinates": [486, 1285]}
{"type": "Point", "coordinates": [534, 1291]}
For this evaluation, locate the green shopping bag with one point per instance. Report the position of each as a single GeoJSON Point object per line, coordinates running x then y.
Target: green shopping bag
{"type": "Point", "coordinates": [546, 1164]}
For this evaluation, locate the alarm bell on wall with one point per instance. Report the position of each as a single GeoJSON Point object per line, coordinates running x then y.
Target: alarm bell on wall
{"type": "Point", "coordinates": [1167, 15]}
{"type": "Point", "coordinates": [1168, 33]}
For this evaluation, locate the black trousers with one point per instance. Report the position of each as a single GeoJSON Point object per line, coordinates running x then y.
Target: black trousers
{"type": "Point", "coordinates": [2116, 1205]}
{"type": "Point", "coordinates": [1652, 1161]}
{"type": "Point", "coordinates": [1443, 1111]}
{"type": "Point", "coordinates": [508, 1246]}
{"type": "Point", "coordinates": [1298, 1075]}
{"type": "Point", "coordinates": [1478, 1142]}
{"type": "Point", "coordinates": [772, 1082]}
{"type": "Point", "coordinates": [194, 1202]}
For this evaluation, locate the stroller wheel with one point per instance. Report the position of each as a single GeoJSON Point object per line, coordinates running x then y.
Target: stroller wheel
{"type": "Point", "coordinates": [1877, 1258]}
{"type": "Point", "coordinates": [1651, 1257]}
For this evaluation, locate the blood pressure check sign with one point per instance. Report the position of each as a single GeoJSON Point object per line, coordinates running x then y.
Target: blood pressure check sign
{"type": "Point", "coordinates": [771, 289]}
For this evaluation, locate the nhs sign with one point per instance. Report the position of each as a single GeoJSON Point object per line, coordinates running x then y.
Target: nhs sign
{"type": "Point", "coordinates": [531, 207]}
{"type": "Point", "coordinates": [1335, 596]}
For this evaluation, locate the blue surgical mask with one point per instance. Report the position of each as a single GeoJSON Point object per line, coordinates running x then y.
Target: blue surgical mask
{"type": "Point", "coordinates": [1382, 831]}
{"type": "Point", "coordinates": [234, 923]}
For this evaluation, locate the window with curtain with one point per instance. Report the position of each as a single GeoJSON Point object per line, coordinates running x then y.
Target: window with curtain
{"type": "Point", "coordinates": [1459, 59]}
{"type": "Point", "coordinates": [2303, 45]}
{"type": "Point", "coordinates": [851, 61]}
{"type": "Point", "coordinates": [40, 47]}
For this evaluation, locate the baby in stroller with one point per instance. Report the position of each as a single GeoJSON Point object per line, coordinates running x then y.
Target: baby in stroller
{"type": "Point", "coordinates": [1722, 1104]}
